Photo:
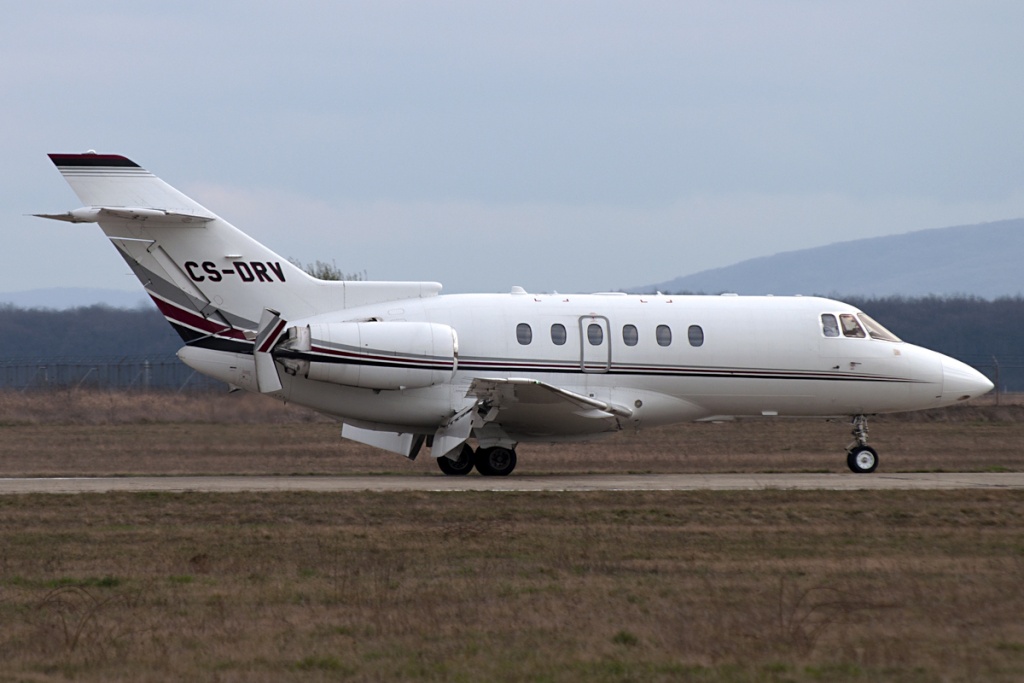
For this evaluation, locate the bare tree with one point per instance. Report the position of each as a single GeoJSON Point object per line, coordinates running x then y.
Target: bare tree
{"type": "Point", "coordinates": [322, 270]}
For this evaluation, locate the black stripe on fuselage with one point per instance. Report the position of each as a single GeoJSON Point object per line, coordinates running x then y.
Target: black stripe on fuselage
{"type": "Point", "coordinates": [439, 364]}
{"type": "Point", "coordinates": [207, 341]}
{"type": "Point", "coordinates": [499, 367]}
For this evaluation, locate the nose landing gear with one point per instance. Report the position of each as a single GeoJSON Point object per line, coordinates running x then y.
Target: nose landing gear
{"type": "Point", "coordinates": [860, 457]}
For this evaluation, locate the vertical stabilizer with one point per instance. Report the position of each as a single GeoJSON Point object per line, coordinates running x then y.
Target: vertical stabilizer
{"type": "Point", "coordinates": [209, 279]}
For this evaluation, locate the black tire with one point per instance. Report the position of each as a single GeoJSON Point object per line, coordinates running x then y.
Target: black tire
{"type": "Point", "coordinates": [862, 460]}
{"type": "Point", "coordinates": [459, 466]}
{"type": "Point", "coordinates": [495, 462]}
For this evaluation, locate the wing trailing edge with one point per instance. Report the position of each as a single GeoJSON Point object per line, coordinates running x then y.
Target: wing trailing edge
{"type": "Point", "coordinates": [502, 393]}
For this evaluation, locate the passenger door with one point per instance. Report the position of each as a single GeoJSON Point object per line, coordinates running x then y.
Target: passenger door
{"type": "Point", "coordinates": [595, 344]}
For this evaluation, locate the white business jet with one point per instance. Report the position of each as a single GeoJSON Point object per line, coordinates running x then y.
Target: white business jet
{"type": "Point", "coordinates": [402, 366]}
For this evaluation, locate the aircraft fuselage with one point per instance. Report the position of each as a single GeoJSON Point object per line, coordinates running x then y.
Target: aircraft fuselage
{"type": "Point", "coordinates": [666, 358]}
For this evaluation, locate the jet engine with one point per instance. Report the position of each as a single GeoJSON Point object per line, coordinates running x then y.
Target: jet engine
{"type": "Point", "coordinates": [372, 355]}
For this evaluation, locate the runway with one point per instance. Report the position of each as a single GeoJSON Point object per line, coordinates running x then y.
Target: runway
{"type": "Point", "coordinates": [516, 483]}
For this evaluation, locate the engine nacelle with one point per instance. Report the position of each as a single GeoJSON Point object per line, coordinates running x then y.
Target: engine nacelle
{"type": "Point", "coordinates": [375, 355]}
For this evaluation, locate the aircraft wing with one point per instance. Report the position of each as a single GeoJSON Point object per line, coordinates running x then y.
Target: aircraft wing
{"type": "Point", "coordinates": [529, 406]}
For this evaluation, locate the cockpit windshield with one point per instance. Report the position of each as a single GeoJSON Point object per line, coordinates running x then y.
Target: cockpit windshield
{"type": "Point", "coordinates": [875, 330]}
{"type": "Point", "coordinates": [859, 326]}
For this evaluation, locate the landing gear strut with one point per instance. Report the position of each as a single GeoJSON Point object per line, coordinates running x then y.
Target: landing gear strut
{"type": "Point", "coordinates": [861, 458]}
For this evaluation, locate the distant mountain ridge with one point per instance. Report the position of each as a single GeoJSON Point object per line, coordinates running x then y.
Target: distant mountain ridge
{"type": "Point", "coordinates": [981, 260]}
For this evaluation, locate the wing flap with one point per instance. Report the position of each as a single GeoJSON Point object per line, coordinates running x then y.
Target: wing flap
{"type": "Point", "coordinates": [529, 406]}
{"type": "Point", "coordinates": [525, 390]}
{"type": "Point", "coordinates": [403, 443]}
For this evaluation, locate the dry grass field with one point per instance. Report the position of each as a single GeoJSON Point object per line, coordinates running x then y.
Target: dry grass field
{"type": "Point", "coordinates": [101, 433]}
{"type": "Point", "coordinates": [617, 586]}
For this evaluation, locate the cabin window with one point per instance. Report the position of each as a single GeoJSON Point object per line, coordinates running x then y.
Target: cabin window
{"type": "Point", "coordinates": [851, 328]}
{"type": "Point", "coordinates": [595, 334]}
{"type": "Point", "coordinates": [629, 335]}
{"type": "Point", "coordinates": [695, 333]}
{"type": "Point", "coordinates": [524, 333]}
{"type": "Point", "coordinates": [558, 334]}
{"type": "Point", "coordinates": [664, 335]}
{"type": "Point", "coordinates": [829, 325]}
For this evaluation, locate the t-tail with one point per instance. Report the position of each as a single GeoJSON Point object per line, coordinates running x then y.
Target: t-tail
{"type": "Point", "coordinates": [210, 280]}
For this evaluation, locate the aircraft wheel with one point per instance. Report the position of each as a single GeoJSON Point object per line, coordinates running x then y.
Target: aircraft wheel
{"type": "Point", "coordinates": [862, 460]}
{"type": "Point", "coordinates": [495, 462]}
{"type": "Point", "coordinates": [459, 466]}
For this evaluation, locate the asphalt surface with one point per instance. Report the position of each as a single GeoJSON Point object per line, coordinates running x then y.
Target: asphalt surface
{"type": "Point", "coordinates": [473, 482]}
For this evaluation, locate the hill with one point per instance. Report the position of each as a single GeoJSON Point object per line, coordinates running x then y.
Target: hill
{"type": "Point", "coordinates": [974, 260]}
{"type": "Point", "coordinates": [62, 298]}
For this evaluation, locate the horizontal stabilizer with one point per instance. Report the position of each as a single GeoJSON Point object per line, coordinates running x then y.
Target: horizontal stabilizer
{"type": "Point", "coordinates": [94, 214]}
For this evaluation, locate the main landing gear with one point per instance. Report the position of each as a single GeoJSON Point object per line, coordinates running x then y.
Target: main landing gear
{"type": "Point", "coordinates": [456, 467]}
{"type": "Point", "coordinates": [490, 462]}
{"type": "Point", "coordinates": [860, 457]}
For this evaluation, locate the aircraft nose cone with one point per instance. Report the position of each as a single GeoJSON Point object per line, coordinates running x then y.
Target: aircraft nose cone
{"type": "Point", "coordinates": [961, 382]}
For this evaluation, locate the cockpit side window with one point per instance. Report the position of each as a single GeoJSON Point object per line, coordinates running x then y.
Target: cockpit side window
{"type": "Point", "coordinates": [851, 328]}
{"type": "Point", "coordinates": [829, 325]}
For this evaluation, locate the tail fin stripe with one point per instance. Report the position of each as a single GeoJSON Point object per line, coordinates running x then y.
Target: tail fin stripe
{"type": "Point", "coordinates": [195, 322]}
{"type": "Point", "coordinates": [91, 160]}
{"type": "Point", "coordinates": [105, 173]}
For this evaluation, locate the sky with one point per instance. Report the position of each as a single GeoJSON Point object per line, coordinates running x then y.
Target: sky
{"type": "Point", "coordinates": [555, 145]}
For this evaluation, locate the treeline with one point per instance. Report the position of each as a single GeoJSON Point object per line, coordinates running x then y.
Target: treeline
{"type": "Point", "coordinates": [976, 331]}
{"type": "Point", "coordinates": [84, 333]}
{"type": "Point", "coordinates": [986, 334]}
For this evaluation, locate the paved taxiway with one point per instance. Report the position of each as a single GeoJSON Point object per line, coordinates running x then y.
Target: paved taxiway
{"type": "Point", "coordinates": [581, 482]}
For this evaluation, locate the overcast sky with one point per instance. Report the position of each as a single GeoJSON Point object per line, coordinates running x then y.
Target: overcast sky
{"type": "Point", "coordinates": [569, 146]}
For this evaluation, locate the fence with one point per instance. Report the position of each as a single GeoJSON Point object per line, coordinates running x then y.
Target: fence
{"type": "Point", "coordinates": [1006, 372]}
{"type": "Point", "coordinates": [143, 374]}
